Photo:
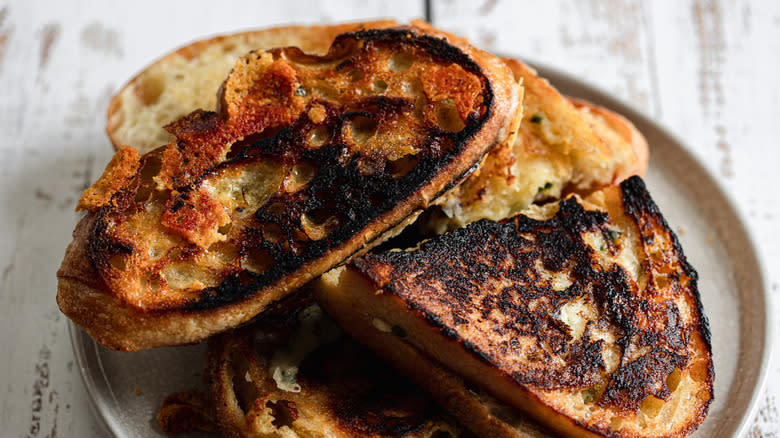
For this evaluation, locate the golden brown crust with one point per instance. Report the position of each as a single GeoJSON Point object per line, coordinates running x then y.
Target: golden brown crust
{"type": "Point", "coordinates": [164, 253]}
{"type": "Point", "coordinates": [582, 312]}
{"type": "Point", "coordinates": [627, 131]}
{"type": "Point", "coordinates": [310, 39]}
{"type": "Point", "coordinates": [118, 174]}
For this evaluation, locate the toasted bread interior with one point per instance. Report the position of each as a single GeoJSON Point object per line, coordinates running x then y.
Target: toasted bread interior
{"type": "Point", "coordinates": [296, 375]}
{"type": "Point", "coordinates": [562, 146]}
{"type": "Point", "coordinates": [583, 314]}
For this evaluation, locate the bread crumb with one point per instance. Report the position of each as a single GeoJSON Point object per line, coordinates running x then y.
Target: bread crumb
{"type": "Point", "coordinates": [137, 390]}
{"type": "Point", "coordinates": [709, 240]}
{"type": "Point", "coordinates": [681, 231]}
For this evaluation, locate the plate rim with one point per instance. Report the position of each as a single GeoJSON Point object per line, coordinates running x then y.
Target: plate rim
{"type": "Point", "coordinates": [79, 339]}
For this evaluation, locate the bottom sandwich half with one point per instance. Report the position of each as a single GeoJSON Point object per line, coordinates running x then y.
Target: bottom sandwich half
{"type": "Point", "coordinates": [583, 315]}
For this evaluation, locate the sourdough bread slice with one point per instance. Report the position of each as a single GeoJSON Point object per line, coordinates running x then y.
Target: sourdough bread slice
{"type": "Point", "coordinates": [308, 161]}
{"type": "Point", "coordinates": [582, 314]}
{"type": "Point", "coordinates": [296, 375]}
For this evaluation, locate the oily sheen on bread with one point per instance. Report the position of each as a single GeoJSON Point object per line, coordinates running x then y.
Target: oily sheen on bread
{"type": "Point", "coordinates": [307, 161]}
{"type": "Point", "coordinates": [296, 375]}
{"type": "Point", "coordinates": [563, 146]}
{"type": "Point", "coordinates": [582, 314]}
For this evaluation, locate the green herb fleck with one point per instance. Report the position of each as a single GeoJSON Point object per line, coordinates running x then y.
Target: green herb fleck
{"type": "Point", "coordinates": [546, 186]}
{"type": "Point", "coordinates": [611, 235]}
{"type": "Point", "coordinates": [602, 248]}
{"type": "Point", "coordinates": [398, 331]}
{"type": "Point", "coordinates": [537, 118]}
{"type": "Point", "coordinates": [300, 91]}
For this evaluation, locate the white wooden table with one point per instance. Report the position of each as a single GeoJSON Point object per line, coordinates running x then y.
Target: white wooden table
{"type": "Point", "coordinates": [706, 70]}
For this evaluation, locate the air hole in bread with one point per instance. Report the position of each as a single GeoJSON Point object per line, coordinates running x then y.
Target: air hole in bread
{"type": "Point", "coordinates": [117, 262]}
{"type": "Point", "coordinates": [229, 47]}
{"type": "Point", "coordinates": [362, 129]}
{"type": "Point", "coordinates": [300, 175]}
{"type": "Point", "coordinates": [178, 76]}
{"type": "Point", "coordinates": [319, 223]}
{"type": "Point", "coordinates": [183, 275]}
{"type": "Point", "coordinates": [224, 252]}
{"type": "Point", "coordinates": [326, 92]}
{"type": "Point", "coordinates": [368, 166]}
{"type": "Point", "coordinates": [257, 260]}
{"type": "Point", "coordinates": [447, 117]}
{"type": "Point", "coordinates": [615, 423]}
{"type": "Point", "coordinates": [224, 229]}
{"type": "Point", "coordinates": [673, 380]}
{"type": "Point", "coordinates": [284, 413]}
{"type": "Point", "coordinates": [699, 370]}
{"type": "Point", "coordinates": [380, 86]}
{"type": "Point", "coordinates": [272, 233]}
{"type": "Point", "coordinates": [244, 389]}
{"type": "Point", "coordinates": [276, 209]}
{"type": "Point", "coordinates": [651, 406]}
{"type": "Point", "coordinates": [589, 395]}
{"type": "Point", "coordinates": [356, 75]}
{"type": "Point", "coordinates": [403, 165]}
{"type": "Point", "coordinates": [150, 89]}
{"type": "Point", "coordinates": [400, 62]}
{"type": "Point", "coordinates": [419, 107]}
{"type": "Point", "coordinates": [154, 282]}
{"type": "Point", "coordinates": [149, 169]}
{"type": "Point", "coordinates": [318, 136]}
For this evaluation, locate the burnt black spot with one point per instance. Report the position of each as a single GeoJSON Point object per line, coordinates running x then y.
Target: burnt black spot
{"type": "Point", "coordinates": [488, 285]}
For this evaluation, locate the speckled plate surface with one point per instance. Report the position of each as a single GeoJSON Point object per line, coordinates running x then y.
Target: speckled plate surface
{"type": "Point", "coordinates": [127, 388]}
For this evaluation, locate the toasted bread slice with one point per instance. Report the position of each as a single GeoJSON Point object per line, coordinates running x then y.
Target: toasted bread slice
{"type": "Point", "coordinates": [583, 314]}
{"type": "Point", "coordinates": [563, 145]}
{"type": "Point", "coordinates": [186, 79]}
{"type": "Point", "coordinates": [296, 375]}
{"type": "Point", "coordinates": [308, 161]}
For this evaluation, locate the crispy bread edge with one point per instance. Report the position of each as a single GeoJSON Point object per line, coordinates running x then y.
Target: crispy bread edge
{"type": "Point", "coordinates": [623, 127]}
{"type": "Point", "coordinates": [317, 38]}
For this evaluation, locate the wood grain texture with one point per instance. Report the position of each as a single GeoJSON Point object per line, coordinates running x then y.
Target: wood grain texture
{"type": "Point", "coordinates": [705, 69]}
{"type": "Point", "coordinates": [59, 64]}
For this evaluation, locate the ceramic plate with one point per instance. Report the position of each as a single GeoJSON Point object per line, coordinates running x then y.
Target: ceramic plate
{"type": "Point", "coordinates": [127, 388]}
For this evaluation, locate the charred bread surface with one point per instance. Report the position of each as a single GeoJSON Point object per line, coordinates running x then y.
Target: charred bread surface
{"type": "Point", "coordinates": [308, 161]}
{"type": "Point", "coordinates": [583, 314]}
